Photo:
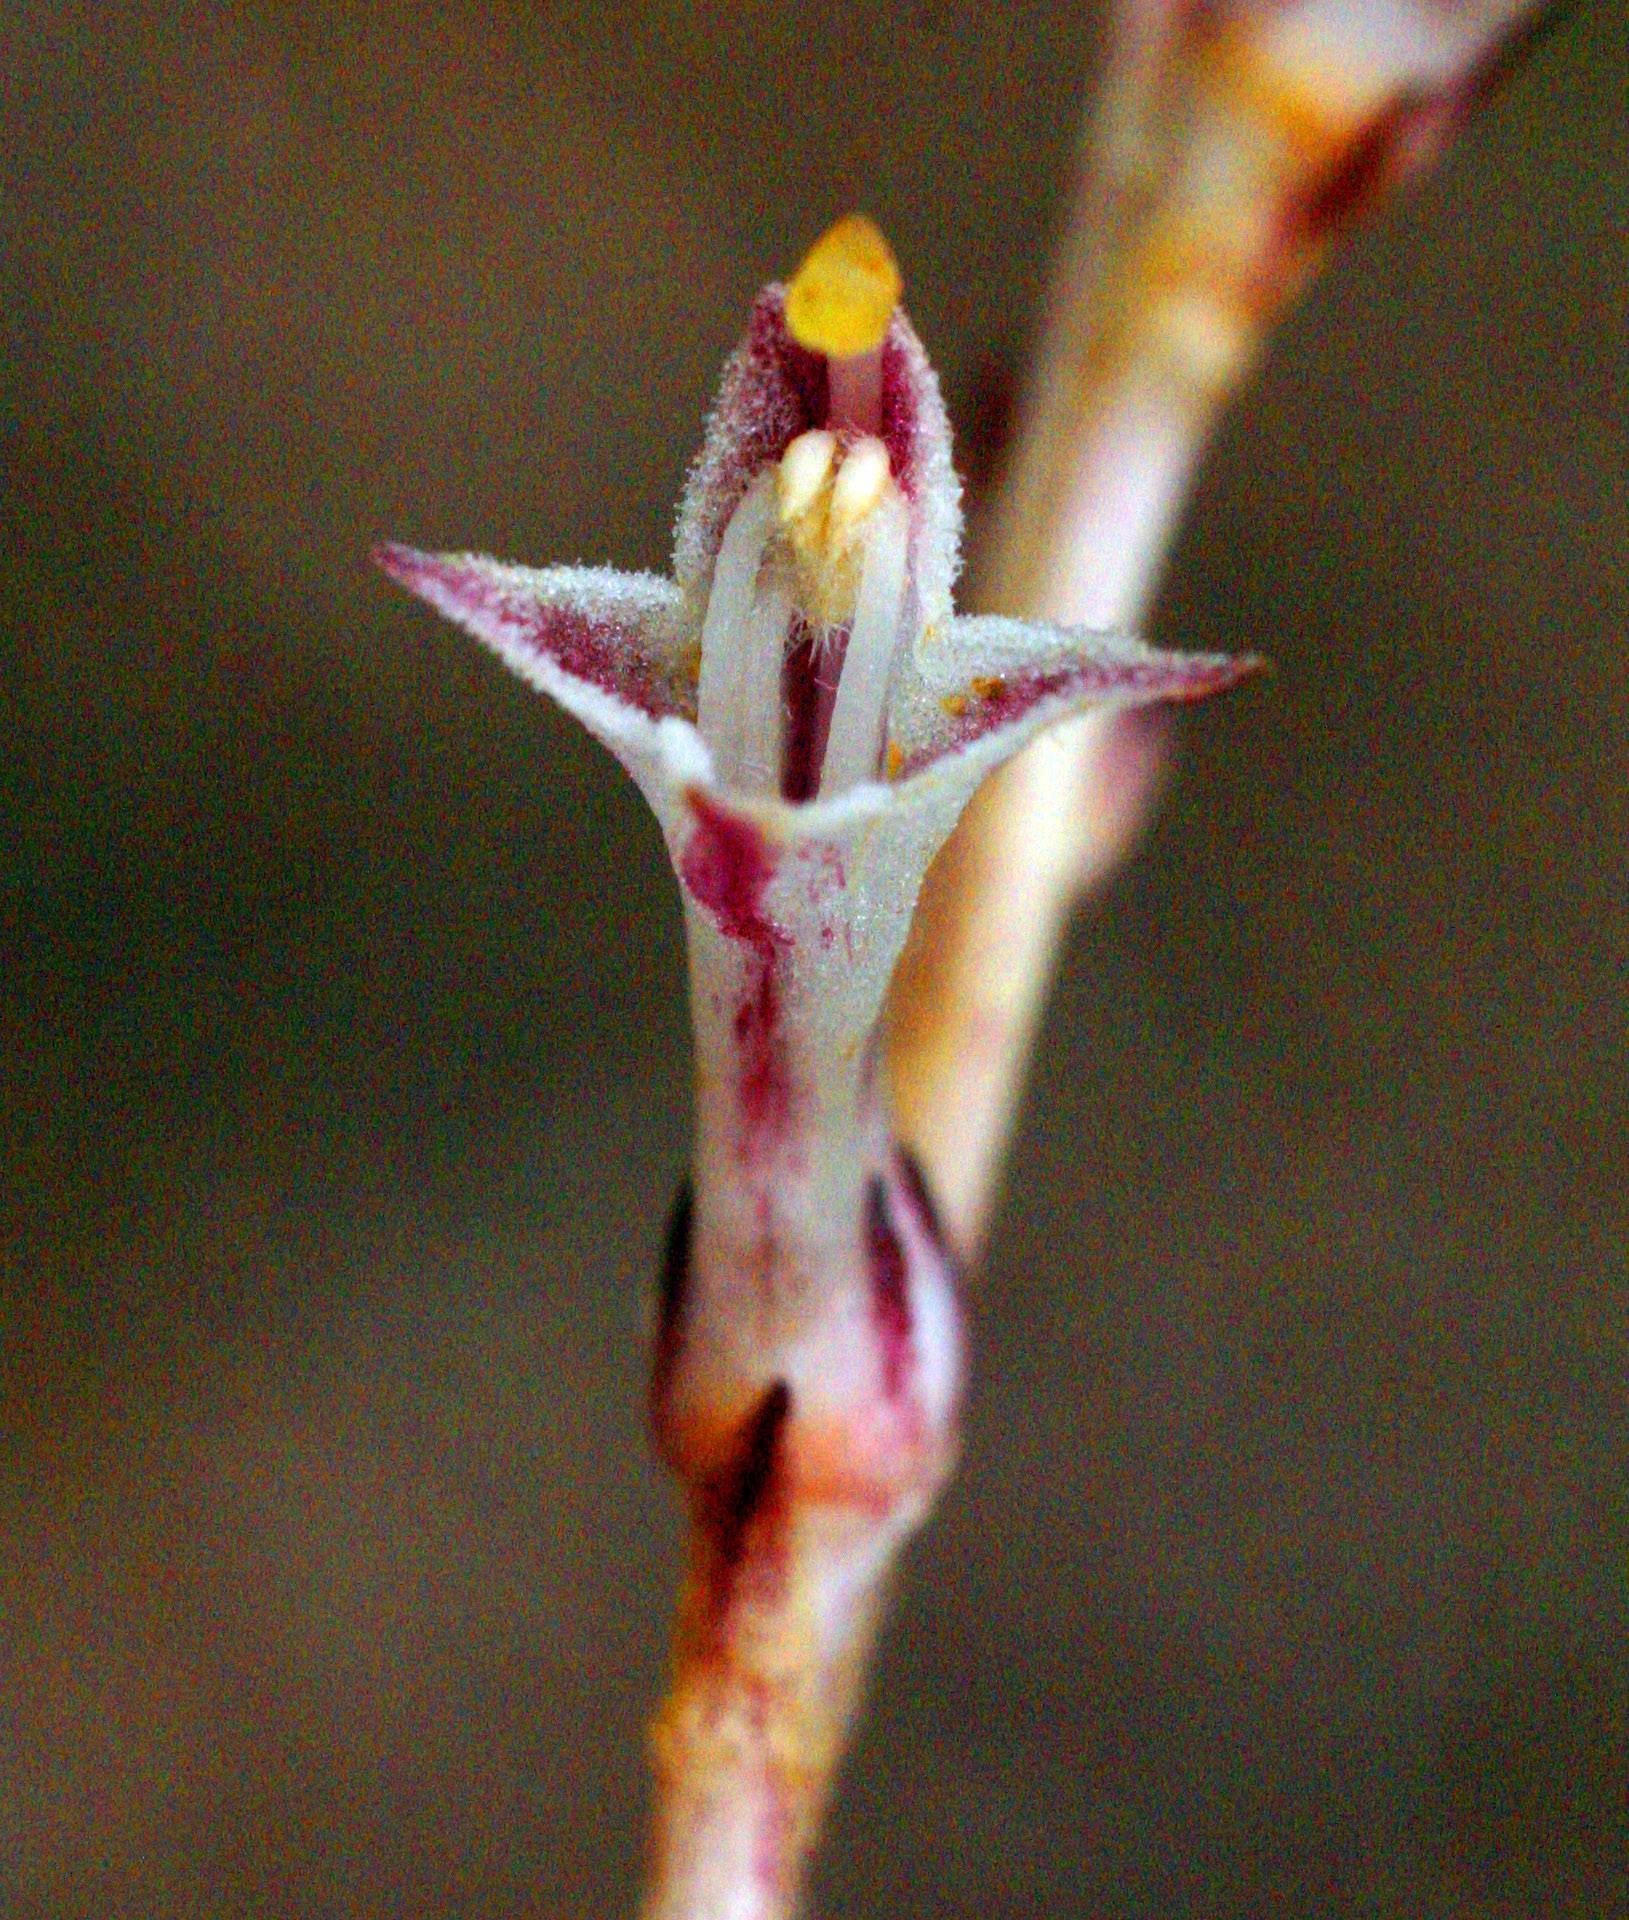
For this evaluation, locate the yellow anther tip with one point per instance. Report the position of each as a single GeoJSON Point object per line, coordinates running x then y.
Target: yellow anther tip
{"type": "Point", "coordinates": [859, 484]}
{"type": "Point", "coordinates": [844, 294]}
{"type": "Point", "coordinates": [803, 474]}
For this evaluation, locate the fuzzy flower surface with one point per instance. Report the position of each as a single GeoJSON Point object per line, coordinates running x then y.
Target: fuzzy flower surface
{"type": "Point", "coordinates": [807, 717]}
{"type": "Point", "coordinates": [799, 703]}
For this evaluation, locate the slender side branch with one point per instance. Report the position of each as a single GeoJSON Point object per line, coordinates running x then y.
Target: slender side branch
{"type": "Point", "coordinates": [1233, 145]}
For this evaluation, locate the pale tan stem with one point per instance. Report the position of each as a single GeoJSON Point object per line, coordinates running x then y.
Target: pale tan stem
{"type": "Point", "coordinates": [1089, 516]}
{"type": "Point", "coordinates": [986, 939]}
{"type": "Point", "coordinates": [1234, 144]}
{"type": "Point", "coordinates": [1079, 527]}
{"type": "Point", "coordinates": [1080, 539]}
{"type": "Point", "coordinates": [747, 1745]}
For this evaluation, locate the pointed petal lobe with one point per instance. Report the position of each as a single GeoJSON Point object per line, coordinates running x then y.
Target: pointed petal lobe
{"type": "Point", "coordinates": [995, 684]}
{"type": "Point", "coordinates": [617, 632]}
{"type": "Point", "coordinates": [609, 647]}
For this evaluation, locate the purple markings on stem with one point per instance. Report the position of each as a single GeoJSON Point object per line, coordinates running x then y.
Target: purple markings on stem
{"type": "Point", "coordinates": [766, 1083]}
{"type": "Point", "coordinates": [673, 1291]}
{"type": "Point", "coordinates": [890, 1296]}
{"type": "Point", "coordinates": [743, 1493]}
{"type": "Point", "coordinates": [727, 866]}
{"type": "Point", "coordinates": [1358, 174]}
{"type": "Point", "coordinates": [914, 1185]}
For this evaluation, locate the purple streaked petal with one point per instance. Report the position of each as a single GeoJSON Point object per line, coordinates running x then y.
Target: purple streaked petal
{"type": "Point", "coordinates": [608, 647]}
{"type": "Point", "coordinates": [617, 633]}
{"type": "Point", "coordinates": [987, 677]}
{"type": "Point", "coordinates": [916, 431]}
{"type": "Point", "coordinates": [772, 391]}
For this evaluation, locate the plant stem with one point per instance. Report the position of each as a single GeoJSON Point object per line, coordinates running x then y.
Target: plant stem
{"type": "Point", "coordinates": [806, 1394]}
{"type": "Point", "coordinates": [1232, 146]}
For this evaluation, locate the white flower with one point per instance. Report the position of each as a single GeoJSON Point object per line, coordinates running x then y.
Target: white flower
{"type": "Point", "coordinates": [807, 717]}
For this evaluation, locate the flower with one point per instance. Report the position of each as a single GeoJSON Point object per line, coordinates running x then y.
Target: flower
{"type": "Point", "coordinates": [807, 717]}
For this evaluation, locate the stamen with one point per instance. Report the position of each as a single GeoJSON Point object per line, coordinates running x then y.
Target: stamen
{"type": "Point", "coordinates": [839, 303]}
{"type": "Point", "coordinates": [731, 633]}
{"type": "Point", "coordinates": [818, 539]}
{"type": "Point", "coordinates": [855, 743]}
{"type": "Point", "coordinates": [761, 729]}
{"type": "Point", "coordinates": [804, 470]}
{"type": "Point", "coordinates": [856, 490]}
{"type": "Point", "coordinates": [823, 507]}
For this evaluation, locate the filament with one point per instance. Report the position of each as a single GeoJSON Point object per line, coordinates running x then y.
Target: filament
{"type": "Point", "coordinates": [854, 744]}
{"type": "Point", "coordinates": [730, 632]}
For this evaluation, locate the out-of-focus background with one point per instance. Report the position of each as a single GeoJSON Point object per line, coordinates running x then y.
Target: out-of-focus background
{"type": "Point", "coordinates": [344, 1058]}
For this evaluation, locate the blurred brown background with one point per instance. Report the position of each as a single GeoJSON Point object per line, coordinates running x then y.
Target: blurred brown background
{"type": "Point", "coordinates": [344, 1060]}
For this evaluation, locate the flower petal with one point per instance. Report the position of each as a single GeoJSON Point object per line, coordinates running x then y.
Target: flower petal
{"type": "Point", "coordinates": [609, 647]}
{"type": "Point", "coordinates": [916, 431]}
{"type": "Point", "coordinates": [993, 684]}
{"type": "Point", "coordinates": [617, 632]}
{"type": "Point", "coordinates": [772, 391]}
{"type": "Point", "coordinates": [837, 878]}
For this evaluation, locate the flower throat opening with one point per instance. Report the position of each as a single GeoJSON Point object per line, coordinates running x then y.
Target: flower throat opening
{"type": "Point", "coordinates": [806, 610]}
